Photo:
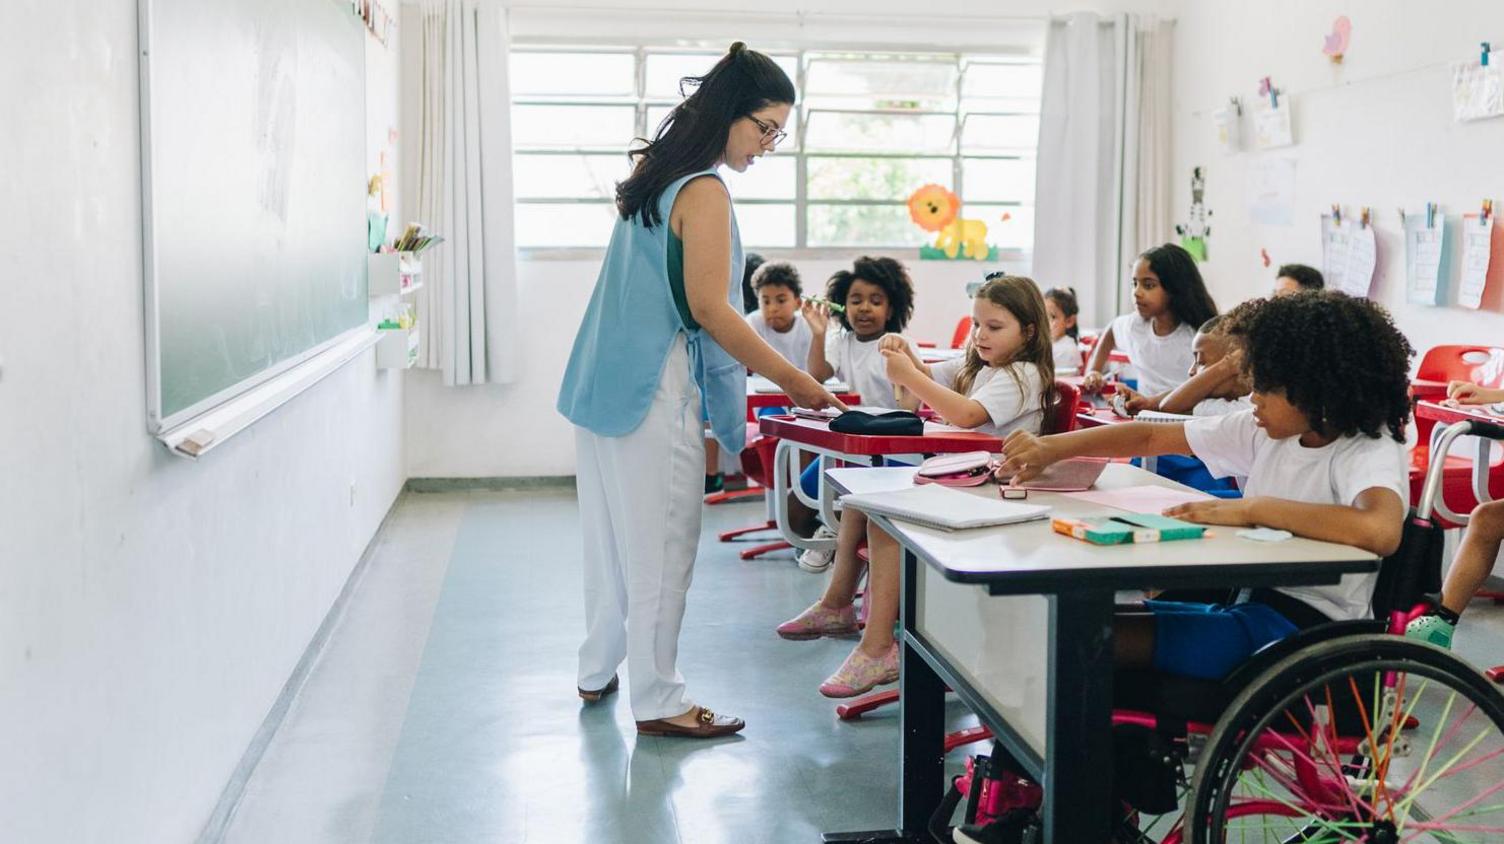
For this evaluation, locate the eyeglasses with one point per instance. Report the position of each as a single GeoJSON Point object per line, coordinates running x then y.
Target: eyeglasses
{"type": "Point", "coordinates": [769, 133]}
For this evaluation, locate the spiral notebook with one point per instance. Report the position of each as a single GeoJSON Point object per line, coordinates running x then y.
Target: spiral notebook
{"type": "Point", "coordinates": [940, 507]}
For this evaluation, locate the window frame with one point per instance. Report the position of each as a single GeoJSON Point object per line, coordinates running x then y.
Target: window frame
{"type": "Point", "coordinates": [800, 203]}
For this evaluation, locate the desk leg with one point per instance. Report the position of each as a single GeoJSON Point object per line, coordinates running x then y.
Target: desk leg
{"type": "Point", "coordinates": [1078, 786]}
{"type": "Point", "coordinates": [921, 723]}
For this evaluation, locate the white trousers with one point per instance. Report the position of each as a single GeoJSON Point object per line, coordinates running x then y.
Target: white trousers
{"type": "Point", "coordinates": [640, 497]}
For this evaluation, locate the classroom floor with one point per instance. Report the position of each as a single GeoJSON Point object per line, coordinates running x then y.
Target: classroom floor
{"type": "Point", "coordinates": [443, 707]}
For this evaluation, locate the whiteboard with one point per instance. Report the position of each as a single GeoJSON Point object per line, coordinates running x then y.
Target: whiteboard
{"type": "Point", "coordinates": [253, 184]}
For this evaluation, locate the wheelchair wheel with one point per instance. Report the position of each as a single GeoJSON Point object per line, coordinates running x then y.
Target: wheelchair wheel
{"type": "Point", "coordinates": [1368, 738]}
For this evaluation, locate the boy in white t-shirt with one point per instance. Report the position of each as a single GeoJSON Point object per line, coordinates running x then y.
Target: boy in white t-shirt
{"type": "Point", "coordinates": [777, 318]}
{"type": "Point", "coordinates": [1217, 383]}
{"type": "Point", "coordinates": [1323, 451]}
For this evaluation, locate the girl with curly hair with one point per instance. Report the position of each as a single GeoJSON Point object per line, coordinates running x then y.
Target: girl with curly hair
{"type": "Point", "coordinates": [1323, 449]}
{"type": "Point", "coordinates": [1169, 303]}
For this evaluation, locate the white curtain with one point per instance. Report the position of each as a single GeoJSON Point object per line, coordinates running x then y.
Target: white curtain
{"type": "Point", "coordinates": [461, 116]}
{"type": "Point", "coordinates": [1102, 181]}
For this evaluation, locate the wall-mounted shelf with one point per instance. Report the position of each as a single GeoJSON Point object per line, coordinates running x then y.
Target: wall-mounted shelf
{"type": "Point", "coordinates": [394, 273]}
{"type": "Point", "coordinates": [397, 348]}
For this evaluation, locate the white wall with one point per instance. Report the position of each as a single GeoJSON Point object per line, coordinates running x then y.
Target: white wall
{"type": "Point", "coordinates": [151, 608]}
{"type": "Point", "coordinates": [1376, 130]}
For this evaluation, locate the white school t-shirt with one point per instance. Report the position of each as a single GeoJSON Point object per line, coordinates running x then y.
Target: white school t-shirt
{"type": "Point", "coordinates": [792, 344]}
{"type": "Point", "coordinates": [1221, 407]}
{"type": "Point", "coordinates": [1162, 363]}
{"type": "Point", "coordinates": [1336, 473]}
{"type": "Point", "coordinates": [1009, 406]}
{"type": "Point", "coordinates": [1067, 355]}
{"type": "Point", "coordinates": [860, 364]}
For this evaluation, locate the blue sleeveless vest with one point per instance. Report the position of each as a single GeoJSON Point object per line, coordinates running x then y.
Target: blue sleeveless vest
{"type": "Point", "coordinates": [629, 327]}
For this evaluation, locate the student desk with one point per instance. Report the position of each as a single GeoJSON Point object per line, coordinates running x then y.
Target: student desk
{"type": "Point", "coordinates": [1017, 620]}
{"type": "Point", "coordinates": [796, 435]}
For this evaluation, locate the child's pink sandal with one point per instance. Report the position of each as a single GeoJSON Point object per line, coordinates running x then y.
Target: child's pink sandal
{"type": "Point", "coordinates": [820, 620]}
{"type": "Point", "coordinates": [860, 673]}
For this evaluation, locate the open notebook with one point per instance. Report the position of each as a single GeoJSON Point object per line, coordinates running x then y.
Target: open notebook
{"type": "Point", "coordinates": [941, 507]}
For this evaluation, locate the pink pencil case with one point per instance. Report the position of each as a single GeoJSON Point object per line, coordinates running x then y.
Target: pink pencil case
{"type": "Point", "coordinates": [967, 468]}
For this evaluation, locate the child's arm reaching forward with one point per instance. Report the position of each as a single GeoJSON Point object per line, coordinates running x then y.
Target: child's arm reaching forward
{"type": "Point", "coordinates": [1466, 392]}
{"type": "Point", "coordinates": [1373, 522]}
{"type": "Point", "coordinates": [1025, 455]}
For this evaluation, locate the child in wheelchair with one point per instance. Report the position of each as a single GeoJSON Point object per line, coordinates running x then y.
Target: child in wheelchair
{"type": "Point", "coordinates": [1322, 449]}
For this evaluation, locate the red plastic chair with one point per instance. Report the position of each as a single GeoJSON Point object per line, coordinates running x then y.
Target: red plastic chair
{"type": "Point", "coordinates": [962, 332]}
{"type": "Point", "coordinates": [757, 463]}
{"type": "Point", "coordinates": [752, 489]}
{"type": "Point", "coordinates": [1483, 365]}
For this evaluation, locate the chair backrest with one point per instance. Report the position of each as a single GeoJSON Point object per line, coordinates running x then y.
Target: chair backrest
{"type": "Point", "coordinates": [963, 331]}
{"type": "Point", "coordinates": [1063, 416]}
{"type": "Point", "coordinates": [1479, 364]}
{"type": "Point", "coordinates": [1412, 571]}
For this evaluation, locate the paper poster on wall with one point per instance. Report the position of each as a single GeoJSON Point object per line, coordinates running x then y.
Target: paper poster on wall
{"type": "Point", "coordinates": [1229, 127]}
{"type": "Point", "coordinates": [1272, 125]}
{"type": "Point", "coordinates": [1271, 191]}
{"type": "Point", "coordinates": [1477, 90]}
{"type": "Point", "coordinates": [1477, 251]}
{"type": "Point", "coordinates": [1426, 261]}
{"type": "Point", "coordinates": [1349, 254]}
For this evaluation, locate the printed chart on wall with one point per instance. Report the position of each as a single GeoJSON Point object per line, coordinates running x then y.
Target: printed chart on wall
{"type": "Point", "coordinates": [1480, 239]}
{"type": "Point", "coordinates": [1349, 253]}
{"type": "Point", "coordinates": [1426, 259]}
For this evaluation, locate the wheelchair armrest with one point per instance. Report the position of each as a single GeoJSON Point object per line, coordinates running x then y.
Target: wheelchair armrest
{"type": "Point", "coordinates": [1487, 430]}
{"type": "Point", "coordinates": [1273, 652]}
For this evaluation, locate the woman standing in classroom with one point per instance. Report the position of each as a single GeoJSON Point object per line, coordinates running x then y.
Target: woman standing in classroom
{"type": "Point", "coordinates": [662, 337]}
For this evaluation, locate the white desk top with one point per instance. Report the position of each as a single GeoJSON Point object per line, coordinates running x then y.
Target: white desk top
{"type": "Point", "coordinates": [1032, 558]}
{"type": "Point", "coordinates": [758, 385]}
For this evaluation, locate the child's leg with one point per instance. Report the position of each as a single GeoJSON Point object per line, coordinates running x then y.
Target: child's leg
{"type": "Point", "coordinates": [1475, 559]}
{"type": "Point", "coordinates": [847, 572]}
{"type": "Point", "coordinates": [882, 591]}
{"type": "Point", "coordinates": [1195, 640]}
{"type": "Point", "coordinates": [874, 661]}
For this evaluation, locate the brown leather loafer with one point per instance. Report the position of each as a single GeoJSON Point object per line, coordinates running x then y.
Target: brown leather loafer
{"type": "Point", "coordinates": [594, 696]}
{"type": "Point", "coordinates": [707, 725]}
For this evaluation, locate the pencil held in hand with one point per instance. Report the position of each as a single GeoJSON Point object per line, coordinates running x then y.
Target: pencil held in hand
{"type": "Point", "coordinates": [821, 300]}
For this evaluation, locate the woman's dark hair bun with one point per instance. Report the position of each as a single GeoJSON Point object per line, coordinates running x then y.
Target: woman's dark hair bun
{"type": "Point", "coordinates": [737, 47]}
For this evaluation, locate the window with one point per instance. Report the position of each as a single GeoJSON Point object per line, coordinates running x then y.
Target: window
{"type": "Point", "coordinates": [868, 130]}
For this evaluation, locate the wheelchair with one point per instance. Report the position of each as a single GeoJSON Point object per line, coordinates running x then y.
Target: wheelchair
{"type": "Point", "coordinates": [1343, 732]}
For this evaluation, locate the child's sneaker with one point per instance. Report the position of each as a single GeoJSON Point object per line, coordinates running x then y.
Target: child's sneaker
{"type": "Point", "coordinates": [820, 620]}
{"type": "Point", "coordinates": [714, 483]}
{"type": "Point", "coordinates": [817, 561]}
{"type": "Point", "coordinates": [860, 673]}
{"type": "Point", "coordinates": [1431, 629]}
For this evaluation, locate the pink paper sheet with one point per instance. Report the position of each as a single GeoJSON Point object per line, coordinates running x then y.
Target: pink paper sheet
{"type": "Point", "coordinates": [1139, 499]}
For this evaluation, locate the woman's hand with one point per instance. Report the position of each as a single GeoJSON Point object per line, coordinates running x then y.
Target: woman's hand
{"type": "Point", "coordinates": [817, 315]}
{"type": "Point", "coordinates": [805, 391]}
{"type": "Point", "coordinates": [1025, 456]}
{"type": "Point", "coordinates": [901, 368]}
{"type": "Point", "coordinates": [1235, 512]}
{"type": "Point", "coordinates": [1093, 382]}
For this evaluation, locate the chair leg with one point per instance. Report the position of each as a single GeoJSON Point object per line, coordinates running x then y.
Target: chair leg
{"type": "Point", "coordinates": [728, 535]}
{"type": "Point", "coordinates": [733, 495]}
{"type": "Point", "coordinates": [866, 703]}
{"type": "Point", "coordinates": [966, 736]}
{"type": "Point", "coordinates": [1490, 595]}
{"type": "Point", "coordinates": [758, 550]}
